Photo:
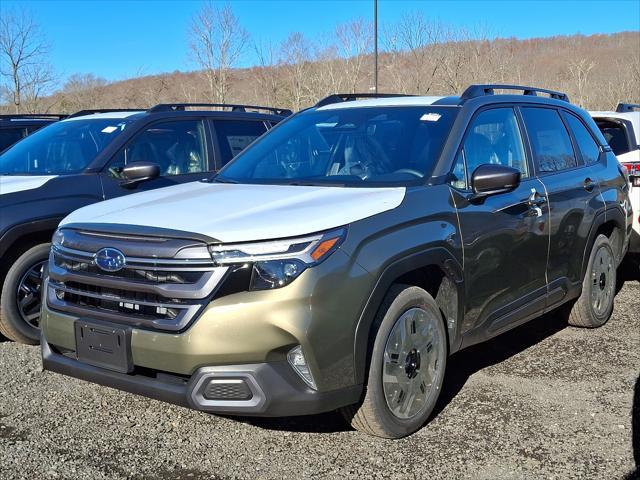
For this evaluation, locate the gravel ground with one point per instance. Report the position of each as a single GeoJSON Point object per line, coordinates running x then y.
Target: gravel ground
{"type": "Point", "coordinates": [542, 401]}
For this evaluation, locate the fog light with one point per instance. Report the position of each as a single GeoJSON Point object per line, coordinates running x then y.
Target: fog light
{"type": "Point", "coordinates": [299, 364]}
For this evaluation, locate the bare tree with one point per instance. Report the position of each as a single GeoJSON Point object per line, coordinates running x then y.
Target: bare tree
{"type": "Point", "coordinates": [354, 42]}
{"type": "Point", "coordinates": [415, 59]}
{"type": "Point", "coordinates": [579, 71]}
{"type": "Point", "coordinates": [217, 42]}
{"type": "Point", "coordinates": [295, 53]}
{"type": "Point", "coordinates": [23, 62]}
{"type": "Point", "coordinates": [267, 82]}
{"type": "Point", "coordinates": [82, 91]}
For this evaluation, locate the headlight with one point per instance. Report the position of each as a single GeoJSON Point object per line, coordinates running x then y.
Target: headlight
{"type": "Point", "coordinates": [58, 238]}
{"type": "Point", "coordinates": [277, 263]}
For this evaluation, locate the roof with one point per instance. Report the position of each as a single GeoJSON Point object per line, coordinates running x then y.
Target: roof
{"type": "Point", "coordinates": [97, 116]}
{"type": "Point", "coordinates": [384, 102]}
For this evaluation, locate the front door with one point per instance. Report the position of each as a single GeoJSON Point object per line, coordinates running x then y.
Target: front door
{"type": "Point", "coordinates": [506, 236]}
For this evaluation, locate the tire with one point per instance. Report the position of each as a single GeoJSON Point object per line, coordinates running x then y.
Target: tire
{"type": "Point", "coordinates": [13, 323]}
{"type": "Point", "coordinates": [406, 370]}
{"type": "Point", "coordinates": [594, 306]}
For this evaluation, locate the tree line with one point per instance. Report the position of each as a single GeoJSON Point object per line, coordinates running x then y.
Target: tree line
{"type": "Point", "coordinates": [417, 56]}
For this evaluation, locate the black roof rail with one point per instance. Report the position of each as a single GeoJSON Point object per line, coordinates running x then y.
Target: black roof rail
{"type": "Point", "coordinates": [34, 116]}
{"type": "Point", "coordinates": [346, 97]}
{"type": "Point", "coordinates": [91, 111]}
{"type": "Point", "coordinates": [474, 91]}
{"type": "Point", "coordinates": [627, 107]}
{"type": "Point", "coordinates": [168, 107]}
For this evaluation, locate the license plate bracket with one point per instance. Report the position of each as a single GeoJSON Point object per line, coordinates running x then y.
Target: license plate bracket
{"type": "Point", "coordinates": [104, 345]}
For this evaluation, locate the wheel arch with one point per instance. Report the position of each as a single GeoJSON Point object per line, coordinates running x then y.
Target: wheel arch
{"type": "Point", "coordinates": [438, 272]}
{"type": "Point", "coordinates": [22, 237]}
{"type": "Point", "coordinates": [610, 223]}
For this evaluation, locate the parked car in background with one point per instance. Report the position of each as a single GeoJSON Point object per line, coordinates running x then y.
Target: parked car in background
{"type": "Point", "coordinates": [15, 127]}
{"type": "Point", "coordinates": [97, 155]}
{"type": "Point", "coordinates": [359, 244]}
{"type": "Point", "coordinates": [621, 129]}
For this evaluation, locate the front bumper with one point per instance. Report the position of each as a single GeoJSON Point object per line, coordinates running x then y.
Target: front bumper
{"type": "Point", "coordinates": [275, 390]}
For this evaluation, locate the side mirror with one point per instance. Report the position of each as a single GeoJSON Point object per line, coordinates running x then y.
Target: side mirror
{"type": "Point", "coordinates": [492, 179]}
{"type": "Point", "coordinates": [137, 172]}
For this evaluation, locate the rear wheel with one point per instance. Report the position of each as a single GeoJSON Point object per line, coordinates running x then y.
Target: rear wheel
{"type": "Point", "coordinates": [594, 306]}
{"type": "Point", "coordinates": [407, 366]}
{"type": "Point", "coordinates": [21, 296]}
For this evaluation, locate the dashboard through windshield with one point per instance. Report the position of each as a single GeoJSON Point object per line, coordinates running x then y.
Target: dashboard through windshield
{"type": "Point", "coordinates": [347, 146]}
{"type": "Point", "coordinates": [61, 148]}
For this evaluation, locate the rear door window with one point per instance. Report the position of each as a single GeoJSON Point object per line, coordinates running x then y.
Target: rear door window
{"type": "Point", "coordinates": [233, 136]}
{"type": "Point", "coordinates": [550, 141]}
{"type": "Point", "coordinates": [586, 144]}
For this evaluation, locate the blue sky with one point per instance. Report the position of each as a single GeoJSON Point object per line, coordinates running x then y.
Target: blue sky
{"type": "Point", "coordinates": [120, 38]}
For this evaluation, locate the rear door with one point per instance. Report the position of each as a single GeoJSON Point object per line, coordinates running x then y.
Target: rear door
{"type": "Point", "coordinates": [505, 236]}
{"type": "Point", "coordinates": [572, 191]}
{"type": "Point", "coordinates": [178, 146]}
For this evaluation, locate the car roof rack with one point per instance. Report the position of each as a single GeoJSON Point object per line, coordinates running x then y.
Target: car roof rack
{"type": "Point", "coordinates": [33, 116]}
{"type": "Point", "coordinates": [91, 111]}
{"type": "Point", "coordinates": [474, 91]}
{"type": "Point", "coordinates": [627, 107]}
{"type": "Point", "coordinates": [347, 97]}
{"type": "Point", "coordinates": [168, 107]}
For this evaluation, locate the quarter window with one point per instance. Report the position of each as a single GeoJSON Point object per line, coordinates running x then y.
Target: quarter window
{"type": "Point", "coordinates": [177, 147]}
{"type": "Point", "coordinates": [550, 141]}
{"type": "Point", "coordinates": [586, 144]}
{"type": "Point", "coordinates": [235, 136]}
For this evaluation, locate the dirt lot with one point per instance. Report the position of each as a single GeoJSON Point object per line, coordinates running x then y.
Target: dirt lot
{"type": "Point", "coordinates": [542, 401]}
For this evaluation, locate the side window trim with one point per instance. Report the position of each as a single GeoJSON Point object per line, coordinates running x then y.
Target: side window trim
{"type": "Point", "coordinates": [576, 153]}
{"type": "Point", "coordinates": [460, 149]}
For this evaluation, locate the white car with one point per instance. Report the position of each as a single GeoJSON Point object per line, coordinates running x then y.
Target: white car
{"type": "Point", "coordinates": [621, 129]}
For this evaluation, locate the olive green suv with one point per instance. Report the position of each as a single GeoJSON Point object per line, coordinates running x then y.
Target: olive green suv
{"type": "Point", "coordinates": [339, 260]}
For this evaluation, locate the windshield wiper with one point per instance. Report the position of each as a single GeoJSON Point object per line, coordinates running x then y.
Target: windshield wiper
{"type": "Point", "coordinates": [220, 179]}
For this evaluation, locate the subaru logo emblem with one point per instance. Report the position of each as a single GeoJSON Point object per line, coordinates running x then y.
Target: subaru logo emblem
{"type": "Point", "coordinates": [110, 259]}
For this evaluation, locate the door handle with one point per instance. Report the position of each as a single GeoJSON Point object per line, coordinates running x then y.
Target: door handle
{"type": "Point", "coordinates": [589, 184]}
{"type": "Point", "coordinates": [535, 199]}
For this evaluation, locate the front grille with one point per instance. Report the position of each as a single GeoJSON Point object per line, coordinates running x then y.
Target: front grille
{"type": "Point", "coordinates": [149, 292]}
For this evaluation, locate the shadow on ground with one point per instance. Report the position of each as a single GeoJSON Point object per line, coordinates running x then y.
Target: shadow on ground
{"type": "Point", "coordinates": [460, 367]}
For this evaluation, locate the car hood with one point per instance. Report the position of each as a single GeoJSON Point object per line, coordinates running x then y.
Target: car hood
{"type": "Point", "coordinates": [20, 183]}
{"type": "Point", "coordinates": [239, 213]}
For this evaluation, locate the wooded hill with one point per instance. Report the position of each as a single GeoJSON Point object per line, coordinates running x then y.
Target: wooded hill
{"type": "Point", "coordinates": [596, 71]}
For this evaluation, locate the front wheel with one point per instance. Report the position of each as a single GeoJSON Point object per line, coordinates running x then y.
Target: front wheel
{"type": "Point", "coordinates": [407, 366]}
{"type": "Point", "coordinates": [22, 296]}
{"type": "Point", "coordinates": [594, 306]}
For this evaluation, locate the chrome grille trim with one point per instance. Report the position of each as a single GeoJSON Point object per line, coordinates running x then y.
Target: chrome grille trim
{"type": "Point", "coordinates": [133, 262]}
{"type": "Point", "coordinates": [149, 292]}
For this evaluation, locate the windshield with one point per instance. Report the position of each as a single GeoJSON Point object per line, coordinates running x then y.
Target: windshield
{"type": "Point", "coordinates": [347, 146]}
{"type": "Point", "coordinates": [61, 148]}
